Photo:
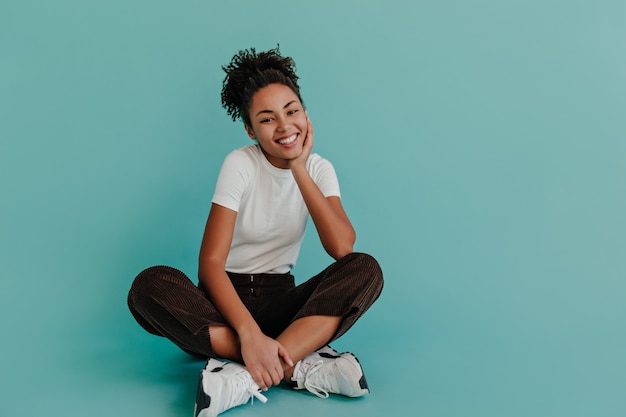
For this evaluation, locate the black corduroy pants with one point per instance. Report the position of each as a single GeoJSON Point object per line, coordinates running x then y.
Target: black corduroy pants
{"type": "Point", "coordinates": [166, 303]}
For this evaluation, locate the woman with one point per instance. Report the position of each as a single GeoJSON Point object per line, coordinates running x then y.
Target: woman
{"type": "Point", "coordinates": [246, 307]}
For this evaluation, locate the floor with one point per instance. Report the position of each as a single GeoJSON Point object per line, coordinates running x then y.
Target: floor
{"type": "Point", "coordinates": [438, 370]}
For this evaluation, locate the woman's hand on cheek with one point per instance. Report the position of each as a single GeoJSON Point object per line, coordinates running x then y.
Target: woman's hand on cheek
{"type": "Point", "coordinates": [307, 147]}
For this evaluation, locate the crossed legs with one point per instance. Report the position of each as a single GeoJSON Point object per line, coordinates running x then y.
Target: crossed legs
{"type": "Point", "coordinates": [301, 338]}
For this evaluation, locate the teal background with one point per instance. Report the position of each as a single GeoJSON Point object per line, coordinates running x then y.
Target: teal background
{"type": "Point", "coordinates": [481, 150]}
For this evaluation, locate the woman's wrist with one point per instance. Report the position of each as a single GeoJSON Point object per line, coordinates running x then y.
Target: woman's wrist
{"type": "Point", "coordinates": [299, 171]}
{"type": "Point", "coordinates": [248, 331]}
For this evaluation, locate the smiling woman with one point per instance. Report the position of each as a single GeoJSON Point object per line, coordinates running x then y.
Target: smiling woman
{"type": "Point", "coordinates": [246, 307]}
{"type": "Point", "coordinates": [280, 124]}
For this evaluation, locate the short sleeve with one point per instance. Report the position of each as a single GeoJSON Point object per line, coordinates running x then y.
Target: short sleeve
{"type": "Point", "coordinates": [323, 173]}
{"type": "Point", "coordinates": [232, 180]}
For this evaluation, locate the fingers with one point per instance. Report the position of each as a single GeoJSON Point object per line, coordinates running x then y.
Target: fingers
{"type": "Point", "coordinates": [274, 377]}
{"type": "Point", "coordinates": [260, 379]}
{"type": "Point", "coordinates": [309, 128]}
{"type": "Point", "coordinates": [265, 362]}
{"type": "Point", "coordinates": [266, 378]}
{"type": "Point", "coordinates": [284, 354]}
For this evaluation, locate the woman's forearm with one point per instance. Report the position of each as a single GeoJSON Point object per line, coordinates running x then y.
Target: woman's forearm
{"type": "Point", "coordinates": [223, 295]}
{"type": "Point", "coordinates": [333, 226]}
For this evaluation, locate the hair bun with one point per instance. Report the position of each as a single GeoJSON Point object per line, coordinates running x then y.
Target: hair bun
{"type": "Point", "coordinates": [248, 71]}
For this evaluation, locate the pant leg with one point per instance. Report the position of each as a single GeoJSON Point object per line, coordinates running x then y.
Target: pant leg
{"type": "Point", "coordinates": [166, 303]}
{"type": "Point", "coordinates": [347, 289]}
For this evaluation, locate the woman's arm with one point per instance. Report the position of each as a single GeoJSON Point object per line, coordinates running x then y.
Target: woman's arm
{"type": "Point", "coordinates": [331, 221]}
{"type": "Point", "coordinates": [261, 354]}
{"type": "Point", "coordinates": [218, 235]}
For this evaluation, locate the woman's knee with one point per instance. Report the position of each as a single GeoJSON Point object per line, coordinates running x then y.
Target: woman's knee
{"type": "Point", "coordinates": [152, 283]}
{"type": "Point", "coordinates": [145, 280]}
{"type": "Point", "coordinates": [366, 269]}
{"type": "Point", "coordinates": [367, 264]}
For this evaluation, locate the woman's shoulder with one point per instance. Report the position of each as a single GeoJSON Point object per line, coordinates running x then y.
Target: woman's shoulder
{"type": "Point", "coordinates": [241, 163]}
{"type": "Point", "coordinates": [251, 152]}
{"type": "Point", "coordinates": [246, 156]}
{"type": "Point", "coordinates": [316, 162]}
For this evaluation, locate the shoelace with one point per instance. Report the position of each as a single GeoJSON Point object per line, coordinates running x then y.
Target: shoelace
{"type": "Point", "coordinates": [256, 392]}
{"type": "Point", "coordinates": [314, 372]}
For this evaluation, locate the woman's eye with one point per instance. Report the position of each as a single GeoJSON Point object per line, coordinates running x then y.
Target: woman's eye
{"type": "Point", "coordinates": [294, 111]}
{"type": "Point", "coordinates": [266, 120]}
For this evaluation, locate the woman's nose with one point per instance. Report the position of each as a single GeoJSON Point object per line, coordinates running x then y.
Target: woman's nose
{"type": "Point", "coordinates": [281, 124]}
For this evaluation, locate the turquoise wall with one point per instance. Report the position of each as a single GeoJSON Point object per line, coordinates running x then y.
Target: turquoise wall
{"type": "Point", "coordinates": [481, 149]}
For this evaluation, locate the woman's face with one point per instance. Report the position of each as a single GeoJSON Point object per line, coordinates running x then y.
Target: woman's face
{"type": "Point", "coordinates": [278, 122]}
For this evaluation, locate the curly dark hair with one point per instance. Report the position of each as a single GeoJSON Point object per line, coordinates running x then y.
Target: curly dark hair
{"type": "Point", "coordinates": [250, 71]}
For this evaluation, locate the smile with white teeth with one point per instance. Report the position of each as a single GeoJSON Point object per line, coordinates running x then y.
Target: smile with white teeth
{"type": "Point", "coordinates": [287, 141]}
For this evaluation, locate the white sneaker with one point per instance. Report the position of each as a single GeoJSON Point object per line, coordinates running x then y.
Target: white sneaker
{"type": "Point", "coordinates": [224, 385]}
{"type": "Point", "coordinates": [325, 372]}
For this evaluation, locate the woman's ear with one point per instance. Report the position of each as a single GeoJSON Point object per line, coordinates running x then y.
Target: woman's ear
{"type": "Point", "coordinates": [250, 132]}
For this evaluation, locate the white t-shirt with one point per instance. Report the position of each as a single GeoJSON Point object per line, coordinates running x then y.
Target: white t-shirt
{"type": "Point", "coordinates": [271, 213]}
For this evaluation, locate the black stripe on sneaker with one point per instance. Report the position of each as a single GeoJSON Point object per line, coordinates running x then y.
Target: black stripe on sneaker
{"type": "Point", "coordinates": [363, 383]}
{"type": "Point", "coordinates": [202, 400]}
{"type": "Point", "coordinates": [328, 355]}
